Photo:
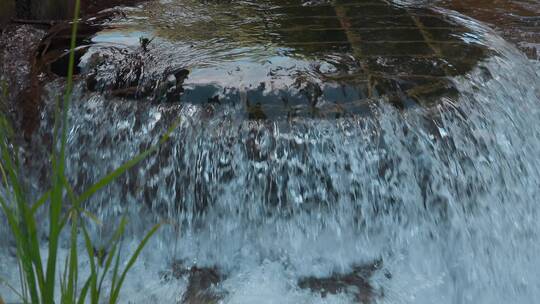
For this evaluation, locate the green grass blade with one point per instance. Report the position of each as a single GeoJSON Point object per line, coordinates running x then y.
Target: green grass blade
{"type": "Point", "coordinates": [55, 196]}
{"type": "Point", "coordinates": [113, 245]}
{"type": "Point", "coordinates": [126, 166]}
{"type": "Point", "coordinates": [106, 268]}
{"type": "Point", "coordinates": [71, 291]}
{"type": "Point", "coordinates": [4, 176]}
{"type": "Point", "coordinates": [40, 202]}
{"type": "Point", "coordinates": [13, 289]}
{"type": "Point", "coordinates": [93, 217]}
{"type": "Point", "coordinates": [113, 175]}
{"type": "Point", "coordinates": [27, 230]}
{"type": "Point", "coordinates": [20, 219]}
{"type": "Point", "coordinates": [24, 285]}
{"type": "Point", "coordinates": [115, 272]}
{"type": "Point", "coordinates": [84, 292]}
{"type": "Point", "coordinates": [92, 280]}
{"type": "Point", "coordinates": [63, 278]}
{"type": "Point", "coordinates": [69, 85]}
{"type": "Point", "coordinates": [131, 262]}
{"type": "Point", "coordinates": [58, 169]}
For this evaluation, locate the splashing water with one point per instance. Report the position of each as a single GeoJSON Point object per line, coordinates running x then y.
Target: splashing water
{"type": "Point", "coordinates": [446, 196]}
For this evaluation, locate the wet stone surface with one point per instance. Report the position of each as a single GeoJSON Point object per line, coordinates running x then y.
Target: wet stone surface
{"type": "Point", "coordinates": [516, 20]}
{"type": "Point", "coordinates": [282, 59]}
{"type": "Point", "coordinates": [42, 11]}
{"type": "Point", "coordinates": [18, 72]}
{"type": "Point", "coordinates": [356, 282]}
{"type": "Point", "coordinates": [202, 286]}
{"type": "Point", "coordinates": [34, 54]}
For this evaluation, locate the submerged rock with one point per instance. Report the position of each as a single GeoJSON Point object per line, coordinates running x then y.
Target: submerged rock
{"type": "Point", "coordinates": [33, 53]}
{"type": "Point", "coordinates": [20, 74]}
{"type": "Point", "coordinates": [130, 73]}
{"type": "Point", "coordinates": [355, 283]}
{"type": "Point", "coordinates": [202, 285]}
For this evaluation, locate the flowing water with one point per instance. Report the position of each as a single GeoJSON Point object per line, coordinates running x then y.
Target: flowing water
{"type": "Point", "coordinates": [314, 138]}
{"type": "Point", "coordinates": [517, 21]}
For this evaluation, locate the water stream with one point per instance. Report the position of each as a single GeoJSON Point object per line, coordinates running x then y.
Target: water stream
{"type": "Point", "coordinates": [309, 145]}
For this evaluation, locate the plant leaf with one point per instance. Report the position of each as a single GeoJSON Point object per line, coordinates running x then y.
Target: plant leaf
{"type": "Point", "coordinates": [131, 262]}
{"type": "Point", "coordinates": [126, 166]}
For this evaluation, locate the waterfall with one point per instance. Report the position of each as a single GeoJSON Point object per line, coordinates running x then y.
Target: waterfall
{"type": "Point", "coordinates": [445, 195]}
